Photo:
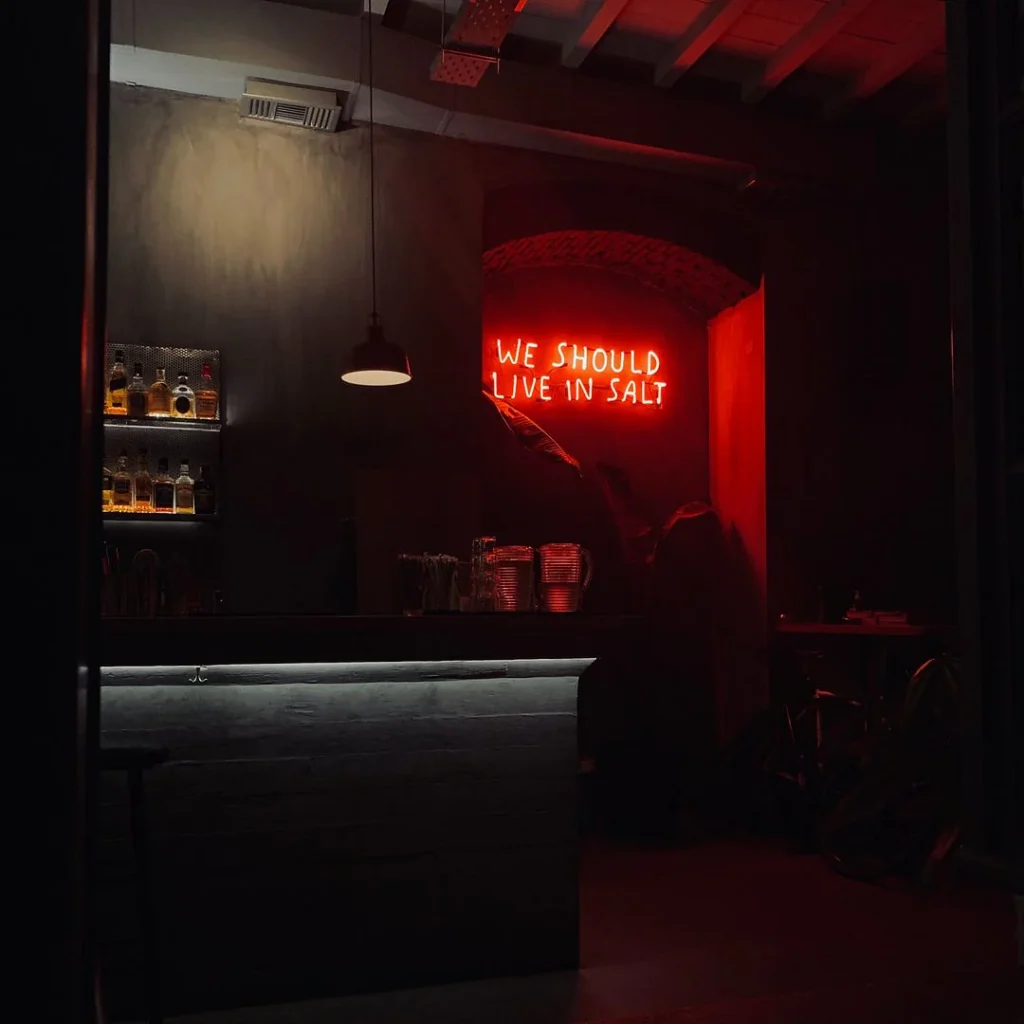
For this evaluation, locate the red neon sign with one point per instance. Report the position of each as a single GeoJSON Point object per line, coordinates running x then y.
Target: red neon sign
{"type": "Point", "coordinates": [572, 371]}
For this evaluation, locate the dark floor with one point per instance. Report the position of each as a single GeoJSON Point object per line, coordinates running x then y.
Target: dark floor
{"type": "Point", "coordinates": [734, 933]}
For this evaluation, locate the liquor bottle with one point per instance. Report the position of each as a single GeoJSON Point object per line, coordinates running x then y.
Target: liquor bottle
{"type": "Point", "coordinates": [137, 393]}
{"type": "Point", "coordinates": [121, 501]}
{"type": "Point", "coordinates": [143, 484]}
{"type": "Point", "coordinates": [206, 396]}
{"type": "Point", "coordinates": [159, 395]}
{"type": "Point", "coordinates": [108, 487]}
{"type": "Point", "coordinates": [183, 400]}
{"type": "Point", "coordinates": [205, 493]}
{"type": "Point", "coordinates": [184, 490]}
{"type": "Point", "coordinates": [117, 386]}
{"type": "Point", "coordinates": [163, 489]}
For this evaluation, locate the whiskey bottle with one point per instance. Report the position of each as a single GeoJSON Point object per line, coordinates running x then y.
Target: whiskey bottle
{"type": "Point", "coordinates": [121, 500]}
{"type": "Point", "coordinates": [206, 396]}
{"type": "Point", "coordinates": [163, 488]}
{"type": "Point", "coordinates": [205, 493]}
{"type": "Point", "coordinates": [159, 395]}
{"type": "Point", "coordinates": [137, 393]}
{"type": "Point", "coordinates": [184, 491]}
{"type": "Point", "coordinates": [117, 386]}
{"type": "Point", "coordinates": [183, 400]}
{"type": "Point", "coordinates": [108, 487]}
{"type": "Point", "coordinates": [143, 484]}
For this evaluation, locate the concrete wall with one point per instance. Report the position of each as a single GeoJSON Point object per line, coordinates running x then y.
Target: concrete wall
{"type": "Point", "coordinates": [317, 834]}
{"type": "Point", "coordinates": [254, 240]}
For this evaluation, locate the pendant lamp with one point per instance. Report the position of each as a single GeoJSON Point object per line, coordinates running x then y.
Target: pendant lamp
{"type": "Point", "coordinates": [375, 362]}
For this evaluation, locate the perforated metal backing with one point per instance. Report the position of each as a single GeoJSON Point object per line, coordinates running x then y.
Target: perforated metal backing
{"type": "Point", "coordinates": [700, 282]}
{"type": "Point", "coordinates": [481, 25]}
{"type": "Point", "coordinates": [459, 68]}
{"type": "Point", "coordinates": [174, 361]}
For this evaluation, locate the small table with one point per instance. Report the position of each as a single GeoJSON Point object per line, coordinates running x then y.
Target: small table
{"type": "Point", "coordinates": [874, 629]}
{"type": "Point", "coordinates": [878, 634]}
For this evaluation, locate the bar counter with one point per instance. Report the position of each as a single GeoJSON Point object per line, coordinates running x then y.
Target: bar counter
{"type": "Point", "coordinates": [349, 803]}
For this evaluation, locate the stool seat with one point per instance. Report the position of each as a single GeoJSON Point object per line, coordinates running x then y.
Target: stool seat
{"type": "Point", "coordinates": [126, 759]}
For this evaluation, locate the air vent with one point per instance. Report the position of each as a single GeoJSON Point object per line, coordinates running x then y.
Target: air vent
{"type": "Point", "coordinates": [316, 109]}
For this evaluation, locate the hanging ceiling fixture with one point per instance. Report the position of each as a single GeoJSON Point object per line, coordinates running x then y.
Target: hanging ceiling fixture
{"type": "Point", "coordinates": [375, 362]}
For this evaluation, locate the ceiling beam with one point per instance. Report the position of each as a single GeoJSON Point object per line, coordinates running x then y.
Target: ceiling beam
{"type": "Point", "coordinates": [589, 30]}
{"type": "Point", "coordinates": [395, 14]}
{"type": "Point", "coordinates": [707, 28]}
{"type": "Point", "coordinates": [829, 21]}
{"type": "Point", "coordinates": [901, 58]}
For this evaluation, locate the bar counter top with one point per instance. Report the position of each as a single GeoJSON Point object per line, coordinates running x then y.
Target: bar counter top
{"type": "Point", "coordinates": [308, 639]}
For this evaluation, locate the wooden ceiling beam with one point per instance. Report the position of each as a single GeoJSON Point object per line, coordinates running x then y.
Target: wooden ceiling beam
{"type": "Point", "coordinates": [590, 30]}
{"type": "Point", "coordinates": [708, 27]}
{"type": "Point", "coordinates": [902, 57]}
{"type": "Point", "coordinates": [828, 22]}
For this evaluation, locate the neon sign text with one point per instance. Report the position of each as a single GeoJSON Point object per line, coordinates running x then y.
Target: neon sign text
{"type": "Point", "coordinates": [574, 372]}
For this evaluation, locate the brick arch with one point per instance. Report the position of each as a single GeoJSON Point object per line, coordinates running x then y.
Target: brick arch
{"type": "Point", "coordinates": [701, 283]}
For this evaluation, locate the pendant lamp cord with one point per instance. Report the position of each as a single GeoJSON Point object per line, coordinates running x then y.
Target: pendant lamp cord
{"type": "Point", "coordinates": [373, 175]}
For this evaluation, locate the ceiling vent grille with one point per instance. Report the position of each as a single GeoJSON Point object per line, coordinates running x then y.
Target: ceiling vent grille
{"type": "Point", "coordinates": [316, 109]}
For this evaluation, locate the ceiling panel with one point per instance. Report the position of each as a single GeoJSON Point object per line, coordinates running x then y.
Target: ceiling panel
{"type": "Point", "coordinates": [845, 54]}
{"type": "Point", "coordinates": [894, 21]}
{"type": "Point", "coordinates": [736, 44]}
{"type": "Point", "coordinates": [646, 49]}
{"type": "Point", "coordinates": [793, 12]}
{"type": "Point", "coordinates": [556, 8]}
{"type": "Point", "coordinates": [646, 31]}
{"type": "Point", "coordinates": [757, 29]}
{"type": "Point", "coordinates": [667, 19]}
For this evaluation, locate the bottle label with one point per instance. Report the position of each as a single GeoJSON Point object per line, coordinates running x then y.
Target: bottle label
{"type": "Point", "coordinates": [118, 383]}
{"type": "Point", "coordinates": [136, 403]}
{"type": "Point", "coordinates": [204, 502]}
{"type": "Point", "coordinates": [182, 405]}
{"type": "Point", "coordinates": [163, 496]}
{"type": "Point", "coordinates": [122, 492]}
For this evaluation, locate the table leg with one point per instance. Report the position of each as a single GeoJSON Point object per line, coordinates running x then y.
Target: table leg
{"type": "Point", "coordinates": [144, 890]}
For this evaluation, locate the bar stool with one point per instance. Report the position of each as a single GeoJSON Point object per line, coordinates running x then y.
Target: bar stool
{"type": "Point", "coordinates": [134, 761]}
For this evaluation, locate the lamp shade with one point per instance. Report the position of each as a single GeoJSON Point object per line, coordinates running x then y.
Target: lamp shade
{"type": "Point", "coordinates": [376, 362]}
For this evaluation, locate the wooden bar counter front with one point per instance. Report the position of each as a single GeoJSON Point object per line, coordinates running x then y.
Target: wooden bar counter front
{"type": "Point", "coordinates": [348, 804]}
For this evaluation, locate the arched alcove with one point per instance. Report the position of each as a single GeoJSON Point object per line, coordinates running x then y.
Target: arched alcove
{"type": "Point", "coordinates": [581, 295]}
{"type": "Point", "coordinates": [702, 284]}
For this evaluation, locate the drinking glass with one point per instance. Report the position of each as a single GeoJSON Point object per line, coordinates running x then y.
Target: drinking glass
{"type": "Point", "coordinates": [513, 578]}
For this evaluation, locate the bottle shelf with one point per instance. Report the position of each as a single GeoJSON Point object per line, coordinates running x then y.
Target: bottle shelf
{"type": "Point", "coordinates": [159, 423]}
{"type": "Point", "coordinates": [157, 517]}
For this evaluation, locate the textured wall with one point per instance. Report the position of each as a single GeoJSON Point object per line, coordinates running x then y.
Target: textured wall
{"type": "Point", "coordinates": [314, 835]}
{"type": "Point", "coordinates": [737, 416]}
{"type": "Point", "coordinates": [254, 240]}
{"type": "Point", "coordinates": [858, 389]}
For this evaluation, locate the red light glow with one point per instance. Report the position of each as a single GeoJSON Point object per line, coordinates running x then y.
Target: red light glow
{"type": "Point", "coordinates": [573, 371]}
